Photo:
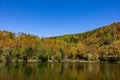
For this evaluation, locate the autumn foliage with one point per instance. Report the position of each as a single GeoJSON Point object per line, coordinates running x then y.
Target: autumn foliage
{"type": "Point", "coordinates": [93, 45]}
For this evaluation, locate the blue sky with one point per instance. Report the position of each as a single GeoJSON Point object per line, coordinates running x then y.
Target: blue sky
{"type": "Point", "coordinates": [57, 17]}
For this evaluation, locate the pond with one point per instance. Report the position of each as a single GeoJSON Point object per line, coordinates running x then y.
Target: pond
{"type": "Point", "coordinates": [59, 71]}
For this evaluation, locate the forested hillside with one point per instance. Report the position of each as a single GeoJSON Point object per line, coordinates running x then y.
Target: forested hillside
{"type": "Point", "coordinates": [93, 45]}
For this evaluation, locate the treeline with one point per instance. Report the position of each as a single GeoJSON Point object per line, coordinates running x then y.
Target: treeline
{"type": "Point", "coordinates": [102, 44]}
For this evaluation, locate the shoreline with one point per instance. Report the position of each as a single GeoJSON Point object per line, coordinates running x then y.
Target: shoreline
{"type": "Point", "coordinates": [72, 61]}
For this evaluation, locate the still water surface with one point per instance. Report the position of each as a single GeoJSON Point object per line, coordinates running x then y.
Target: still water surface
{"type": "Point", "coordinates": [59, 71]}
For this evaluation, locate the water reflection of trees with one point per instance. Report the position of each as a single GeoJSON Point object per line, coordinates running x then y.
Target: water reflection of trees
{"type": "Point", "coordinates": [59, 71]}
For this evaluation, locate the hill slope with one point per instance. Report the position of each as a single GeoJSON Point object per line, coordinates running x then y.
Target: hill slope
{"type": "Point", "coordinates": [91, 45]}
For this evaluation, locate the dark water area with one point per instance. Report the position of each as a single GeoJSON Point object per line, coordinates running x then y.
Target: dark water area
{"type": "Point", "coordinates": [59, 71]}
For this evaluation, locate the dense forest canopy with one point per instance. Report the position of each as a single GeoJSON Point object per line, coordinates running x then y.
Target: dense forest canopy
{"type": "Point", "coordinates": [92, 45]}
